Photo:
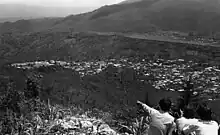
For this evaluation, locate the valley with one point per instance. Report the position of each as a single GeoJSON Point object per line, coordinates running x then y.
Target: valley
{"type": "Point", "coordinates": [83, 73]}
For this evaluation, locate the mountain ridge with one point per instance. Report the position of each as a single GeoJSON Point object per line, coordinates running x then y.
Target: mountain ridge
{"type": "Point", "coordinates": [140, 16]}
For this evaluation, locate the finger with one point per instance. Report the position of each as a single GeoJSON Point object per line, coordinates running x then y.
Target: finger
{"type": "Point", "coordinates": [138, 101]}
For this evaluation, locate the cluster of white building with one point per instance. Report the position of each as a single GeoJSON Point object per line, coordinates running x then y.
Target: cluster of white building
{"type": "Point", "coordinates": [169, 74]}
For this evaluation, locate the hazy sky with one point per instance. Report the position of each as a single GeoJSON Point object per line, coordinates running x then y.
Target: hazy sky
{"type": "Point", "coordinates": [71, 3]}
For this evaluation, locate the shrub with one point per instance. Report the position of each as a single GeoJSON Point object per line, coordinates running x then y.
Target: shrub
{"type": "Point", "coordinates": [18, 107]}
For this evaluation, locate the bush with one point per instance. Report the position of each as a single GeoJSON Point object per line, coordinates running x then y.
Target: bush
{"type": "Point", "coordinates": [17, 107]}
{"type": "Point", "coordinates": [25, 113]}
{"type": "Point", "coordinates": [10, 99]}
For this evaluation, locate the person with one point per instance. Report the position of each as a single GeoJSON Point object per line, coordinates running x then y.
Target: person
{"type": "Point", "coordinates": [176, 110]}
{"type": "Point", "coordinates": [187, 117]}
{"type": "Point", "coordinates": [188, 87]}
{"type": "Point", "coordinates": [160, 119]}
{"type": "Point", "coordinates": [219, 130]}
{"type": "Point", "coordinates": [205, 125]}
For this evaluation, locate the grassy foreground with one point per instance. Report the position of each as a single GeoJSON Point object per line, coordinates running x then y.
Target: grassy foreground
{"type": "Point", "coordinates": [24, 113]}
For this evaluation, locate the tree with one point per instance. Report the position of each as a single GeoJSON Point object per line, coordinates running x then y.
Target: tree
{"type": "Point", "coordinates": [31, 89]}
{"type": "Point", "coordinates": [188, 87]}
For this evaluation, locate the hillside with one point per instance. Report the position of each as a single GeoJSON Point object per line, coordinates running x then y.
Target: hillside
{"type": "Point", "coordinates": [11, 19]}
{"type": "Point", "coordinates": [145, 16]}
{"type": "Point", "coordinates": [32, 25]}
{"type": "Point", "coordinates": [150, 15]}
{"type": "Point", "coordinates": [92, 46]}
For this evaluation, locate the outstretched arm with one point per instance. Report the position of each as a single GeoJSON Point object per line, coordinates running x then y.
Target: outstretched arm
{"type": "Point", "coordinates": [146, 108]}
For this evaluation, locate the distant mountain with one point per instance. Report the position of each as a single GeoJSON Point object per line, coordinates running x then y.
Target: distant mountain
{"type": "Point", "coordinates": [150, 15]}
{"type": "Point", "coordinates": [200, 16]}
{"type": "Point", "coordinates": [32, 25]}
{"type": "Point", "coordinates": [23, 18]}
{"type": "Point", "coordinates": [14, 12]}
{"type": "Point", "coordinates": [12, 19]}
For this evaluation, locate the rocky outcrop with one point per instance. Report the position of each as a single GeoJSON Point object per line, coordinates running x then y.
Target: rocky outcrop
{"type": "Point", "coordinates": [78, 125]}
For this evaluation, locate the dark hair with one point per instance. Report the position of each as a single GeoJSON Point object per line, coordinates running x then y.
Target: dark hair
{"type": "Point", "coordinates": [189, 113]}
{"type": "Point", "coordinates": [181, 103]}
{"type": "Point", "coordinates": [204, 112]}
{"type": "Point", "coordinates": [165, 104]}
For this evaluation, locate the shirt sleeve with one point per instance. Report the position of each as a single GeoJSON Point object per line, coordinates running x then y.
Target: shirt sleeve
{"type": "Point", "coordinates": [149, 109]}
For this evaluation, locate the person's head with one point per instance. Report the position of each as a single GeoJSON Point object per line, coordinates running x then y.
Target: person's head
{"type": "Point", "coordinates": [180, 103]}
{"type": "Point", "coordinates": [165, 104]}
{"type": "Point", "coordinates": [204, 112]}
{"type": "Point", "coordinates": [189, 112]}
